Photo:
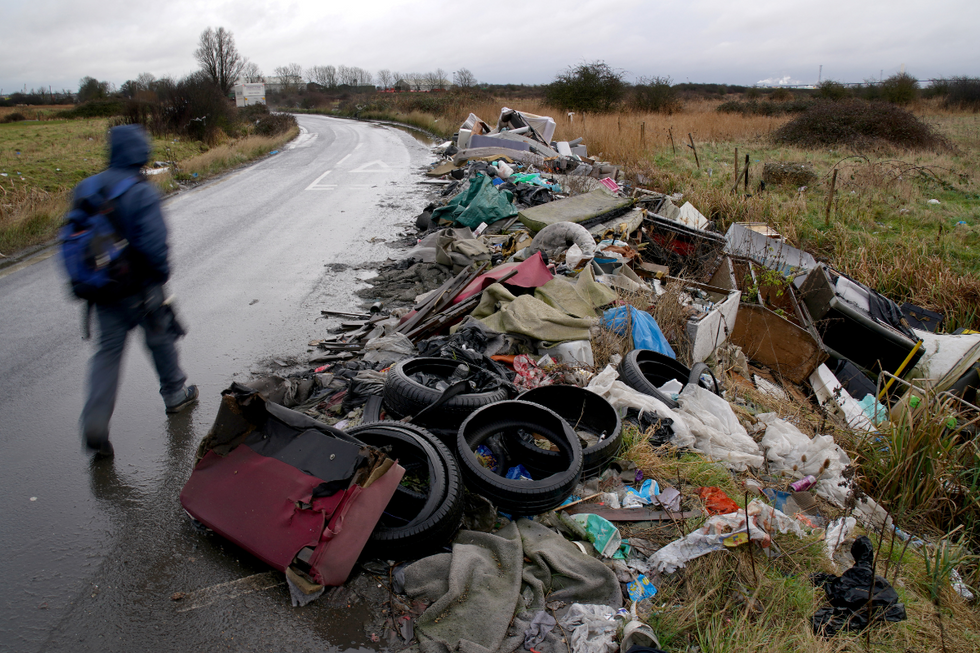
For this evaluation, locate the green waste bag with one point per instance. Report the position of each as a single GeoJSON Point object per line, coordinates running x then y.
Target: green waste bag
{"type": "Point", "coordinates": [481, 202]}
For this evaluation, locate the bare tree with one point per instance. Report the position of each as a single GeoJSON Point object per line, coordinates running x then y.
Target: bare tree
{"type": "Point", "coordinates": [346, 76]}
{"type": "Point", "coordinates": [441, 78]}
{"type": "Point", "coordinates": [434, 80]}
{"type": "Point", "coordinates": [251, 73]}
{"type": "Point", "coordinates": [384, 79]}
{"type": "Point", "coordinates": [363, 77]}
{"type": "Point", "coordinates": [289, 77]}
{"type": "Point", "coordinates": [145, 81]}
{"type": "Point", "coordinates": [219, 58]}
{"type": "Point", "coordinates": [463, 78]}
{"type": "Point", "coordinates": [325, 76]}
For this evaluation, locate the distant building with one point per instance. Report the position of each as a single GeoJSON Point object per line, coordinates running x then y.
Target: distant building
{"type": "Point", "coordinates": [249, 94]}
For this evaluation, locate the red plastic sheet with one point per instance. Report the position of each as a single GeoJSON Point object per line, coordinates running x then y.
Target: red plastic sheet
{"type": "Point", "coordinates": [530, 274]}
{"type": "Point", "coordinates": [716, 502]}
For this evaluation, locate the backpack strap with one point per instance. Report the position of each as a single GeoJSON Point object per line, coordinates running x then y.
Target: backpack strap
{"type": "Point", "coordinates": [115, 193]}
{"type": "Point", "coordinates": [121, 187]}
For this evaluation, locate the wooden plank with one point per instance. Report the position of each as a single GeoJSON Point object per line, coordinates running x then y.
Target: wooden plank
{"type": "Point", "coordinates": [441, 297]}
{"type": "Point", "coordinates": [629, 514]}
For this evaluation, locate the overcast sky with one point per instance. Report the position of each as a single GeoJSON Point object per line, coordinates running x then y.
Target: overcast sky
{"type": "Point", "coordinates": [56, 42]}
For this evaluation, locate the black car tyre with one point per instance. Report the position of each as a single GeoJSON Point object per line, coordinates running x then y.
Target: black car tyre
{"type": "Point", "coordinates": [519, 497]}
{"type": "Point", "coordinates": [415, 523]}
{"type": "Point", "coordinates": [405, 397]}
{"type": "Point", "coordinates": [644, 370]}
{"type": "Point", "coordinates": [585, 412]}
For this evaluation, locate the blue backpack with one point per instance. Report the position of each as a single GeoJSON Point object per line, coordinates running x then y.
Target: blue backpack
{"type": "Point", "coordinates": [93, 248]}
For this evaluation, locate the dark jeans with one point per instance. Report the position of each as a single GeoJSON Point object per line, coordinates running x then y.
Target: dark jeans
{"type": "Point", "coordinates": [115, 322]}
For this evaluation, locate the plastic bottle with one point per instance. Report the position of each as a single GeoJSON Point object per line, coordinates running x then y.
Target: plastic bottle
{"type": "Point", "coordinates": [803, 484]}
{"type": "Point", "coordinates": [752, 486]}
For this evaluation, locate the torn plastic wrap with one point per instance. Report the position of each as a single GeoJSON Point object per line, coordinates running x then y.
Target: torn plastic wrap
{"type": "Point", "coordinates": [790, 451]}
{"type": "Point", "coordinates": [711, 536]}
{"type": "Point", "coordinates": [716, 430]}
{"type": "Point", "coordinates": [622, 397]}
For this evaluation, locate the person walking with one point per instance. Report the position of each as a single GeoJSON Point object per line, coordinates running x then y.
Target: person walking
{"type": "Point", "coordinates": [137, 215]}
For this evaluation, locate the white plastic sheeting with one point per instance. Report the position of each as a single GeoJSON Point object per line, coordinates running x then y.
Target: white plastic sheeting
{"type": "Point", "coordinates": [790, 451]}
{"type": "Point", "coordinates": [763, 520]}
{"type": "Point", "coordinates": [621, 396]}
{"type": "Point", "coordinates": [716, 430]}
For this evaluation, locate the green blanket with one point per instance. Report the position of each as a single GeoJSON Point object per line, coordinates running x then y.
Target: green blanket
{"type": "Point", "coordinates": [480, 202]}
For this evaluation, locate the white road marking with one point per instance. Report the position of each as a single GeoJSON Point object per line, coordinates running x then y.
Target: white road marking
{"type": "Point", "coordinates": [230, 590]}
{"type": "Point", "coordinates": [347, 157]}
{"type": "Point", "coordinates": [316, 182]}
{"type": "Point", "coordinates": [373, 166]}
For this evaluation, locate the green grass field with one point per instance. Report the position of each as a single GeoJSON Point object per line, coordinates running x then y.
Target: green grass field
{"type": "Point", "coordinates": [41, 161]}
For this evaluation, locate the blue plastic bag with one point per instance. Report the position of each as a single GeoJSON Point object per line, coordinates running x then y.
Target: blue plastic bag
{"type": "Point", "coordinates": [641, 589]}
{"type": "Point", "coordinates": [645, 495]}
{"type": "Point", "coordinates": [646, 331]}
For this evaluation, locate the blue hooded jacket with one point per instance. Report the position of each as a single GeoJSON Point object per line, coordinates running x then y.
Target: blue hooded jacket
{"type": "Point", "coordinates": [139, 207]}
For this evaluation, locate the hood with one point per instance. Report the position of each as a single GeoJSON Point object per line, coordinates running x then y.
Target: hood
{"type": "Point", "coordinates": [128, 147]}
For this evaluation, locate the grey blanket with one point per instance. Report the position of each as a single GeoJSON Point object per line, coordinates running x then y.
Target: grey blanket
{"type": "Point", "coordinates": [484, 595]}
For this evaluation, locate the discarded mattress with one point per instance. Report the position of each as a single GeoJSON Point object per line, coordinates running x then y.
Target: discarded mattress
{"type": "Point", "coordinates": [580, 208]}
{"type": "Point", "coordinates": [497, 152]}
{"type": "Point", "coordinates": [494, 141]}
{"type": "Point", "coordinates": [293, 492]}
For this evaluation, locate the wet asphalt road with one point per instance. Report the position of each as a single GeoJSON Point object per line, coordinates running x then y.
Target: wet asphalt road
{"type": "Point", "coordinates": [91, 553]}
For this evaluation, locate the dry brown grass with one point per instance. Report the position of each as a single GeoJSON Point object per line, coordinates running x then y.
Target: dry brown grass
{"type": "Point", "coordinates": [32, 208]}
{"type": "Point", "coordinates": [630, 137]}
{"type": "Point", "coordinates": [29, 216]}
{"type": "Point", "coordinates": [232, 153]}
{"type": "Point", "coordinates": [39, 112]}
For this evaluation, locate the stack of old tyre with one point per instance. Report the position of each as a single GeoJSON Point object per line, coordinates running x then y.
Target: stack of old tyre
{"type": "Point", "coordinates": [543, 431]}
{"type": "Point", "coordinates": [427, 507]}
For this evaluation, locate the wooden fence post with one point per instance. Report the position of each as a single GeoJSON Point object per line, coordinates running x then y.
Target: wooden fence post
{"type": "Point", "coordinates": [830, 197]}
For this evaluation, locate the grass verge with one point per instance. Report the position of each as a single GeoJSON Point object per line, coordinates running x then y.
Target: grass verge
{"type": "Point", "coordinates": [40, 162]}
